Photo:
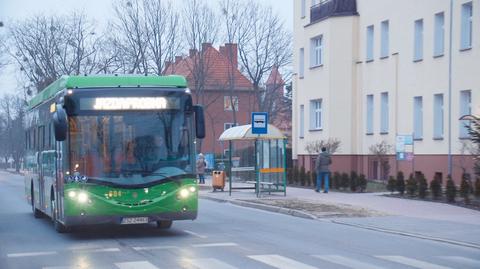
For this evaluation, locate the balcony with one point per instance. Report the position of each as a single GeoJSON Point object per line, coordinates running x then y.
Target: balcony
{"type": "Point", "coordinates": [332, 8]}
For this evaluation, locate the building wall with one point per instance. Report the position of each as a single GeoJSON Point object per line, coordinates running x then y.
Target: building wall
{"type": "Point", "coordinates": [346, 78]}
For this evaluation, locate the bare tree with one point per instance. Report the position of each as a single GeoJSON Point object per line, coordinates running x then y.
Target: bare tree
{"type": "Point", "coordinates": [380, 152]}
{"type": "Point", "coordinates": [332, 145]}
{"type": "Point", "coordinates": [12, 135]}
{"type": "Point", "coordinates": [45, 48]}
{"type": "Point", "coordinates": [263, 44]}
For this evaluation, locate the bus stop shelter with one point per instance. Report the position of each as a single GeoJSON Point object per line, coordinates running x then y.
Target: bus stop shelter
{"type": "Point", "coordinates": [265, 171]}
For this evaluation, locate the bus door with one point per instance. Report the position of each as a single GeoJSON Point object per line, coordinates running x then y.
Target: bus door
{"type": "Point", "coordinates": [41, 181]}
{"type": "Point", "coordinates": [59, 178]}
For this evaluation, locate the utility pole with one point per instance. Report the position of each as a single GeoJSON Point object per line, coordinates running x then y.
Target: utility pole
{"type": "Point", "coordinates": [450, 92]}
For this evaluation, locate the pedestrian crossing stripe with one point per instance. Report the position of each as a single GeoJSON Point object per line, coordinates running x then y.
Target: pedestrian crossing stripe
{"type": "Point", "coordinates": [208, 263]}
{"type": "Point", "coordinates": [280, 262]}
{"type": "Point", "coordinates": [347, 262]}
{"type": "Point", "coordinates": [412, 262]}
{"type": "Point", "coordinates": [135, 265]}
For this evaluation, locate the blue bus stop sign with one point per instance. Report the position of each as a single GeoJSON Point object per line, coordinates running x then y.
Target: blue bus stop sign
{"type": "Point", "coordinates": [259, 122]}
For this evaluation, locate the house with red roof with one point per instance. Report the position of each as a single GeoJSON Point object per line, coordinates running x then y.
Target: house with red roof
{"type": "Point", "coordinates": [218, 85]}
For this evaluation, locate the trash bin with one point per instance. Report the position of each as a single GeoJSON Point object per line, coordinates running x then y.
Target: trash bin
{"type": "Point", "coordinates": [218, 180]}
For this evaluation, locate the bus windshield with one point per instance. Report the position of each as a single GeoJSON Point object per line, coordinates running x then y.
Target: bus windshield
{"type": "Point", "coordinates": [130, 148]}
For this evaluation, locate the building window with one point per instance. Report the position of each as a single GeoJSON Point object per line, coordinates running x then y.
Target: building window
{"type": "Point", "coordinates": [384, 39]}
{"type": "Point", "coordinates": [369, 43]}
{"type": "Point", "coordinates": [418, 117]}
{"type": "Point", "coordinates": [228, 125]}
{"type": "Point", "coordinates": [384, 113]}
{"type": "Point", "coordinates": [316, 114]}
{"type": "Point", "coordinates": [465, 109]}
{"type": "Point", "coordinates": [418, 43]}
{"type": "Point", "coordinates": [438, 116]}
{"type": "Point", "coordinates": [466, 31]}
{"type": "Point", "coordinates": [316, 51]}
{"type": "Point", "coordinates": [439, 35]}
{"type": "Point", "coordinates": [370, 114]}
{"type": "Point", "coordinates": [304, 7]}
{"type": "Point", "coordinates": [302, 121]}
{"type": "Point", "coordinates": [228, 105]}
{"type": "Point", "coordinates": [301, 67]}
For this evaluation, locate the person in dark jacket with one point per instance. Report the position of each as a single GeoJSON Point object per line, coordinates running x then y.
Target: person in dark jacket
{"type": "Point", "coordinates": [322, 165]}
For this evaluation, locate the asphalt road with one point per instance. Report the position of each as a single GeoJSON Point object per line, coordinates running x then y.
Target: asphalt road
{"type": "Point", "coordinates": [223, 236]}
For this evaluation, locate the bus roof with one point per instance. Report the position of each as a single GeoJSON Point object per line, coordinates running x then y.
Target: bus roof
{"type": "Point", "coordinates": [75, 82]}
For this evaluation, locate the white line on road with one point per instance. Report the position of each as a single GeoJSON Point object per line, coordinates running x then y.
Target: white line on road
{"type": "Point", "coordinates": [96, 250]}
{"type": "Point", "coordinates": [195, 234]}
{"type": "Point", "coordinates": [280, 262]}
{"type": "Point", "coordinates": [347, 262]}
{"type": "Point", "coordinates": [209, 263]}
{"type": "Point", "coordinates": [135, 265]}
{"type": "Point", "coordinates": [462, 260]}
{"type": "Point", "coordinates": [154, 248]}
{"type": "Point", "coordinates": [227, 244]}
{"type": "Point", "coordinates": [31, 254]}
{"type": "Point", "coordinates": [412, 262]}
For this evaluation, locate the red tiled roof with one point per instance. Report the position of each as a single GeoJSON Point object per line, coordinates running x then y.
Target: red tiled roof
{"type": "Point", "coordinates": [218, 66]}
{"type": "Point", "coordinates": [275, 78]}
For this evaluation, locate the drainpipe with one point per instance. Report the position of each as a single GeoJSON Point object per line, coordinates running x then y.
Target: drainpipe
{"type": "Point", "coordinates": [450, 92]}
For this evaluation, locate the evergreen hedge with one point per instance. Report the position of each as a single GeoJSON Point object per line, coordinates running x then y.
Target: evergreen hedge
{"type": "Point", "coordinates": [391, 184]}
{"type": "Point", "coordinates": [336, 180]}
{"type": "Point", "coordinates": [353, 181]}
{"type": "Point", "coordinates": [436, 188]}
{"type": "Point", "coordinates": [411, 185]}
{"type": "Point", "coordinates": [451, 190]}
{"type": "Point", "coordinates": [362, 182]}
{"type": "Point", "coordinates": [422, 186]}
{"type": "Point", "coordinates": [400, 183]}
{"type": "Point", "coordinates": [345, 181]}
{"type": "Point", "coordinates": [465, 188]}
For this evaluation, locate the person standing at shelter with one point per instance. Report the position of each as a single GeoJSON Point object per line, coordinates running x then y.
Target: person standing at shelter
{"type": "Point", "coordinates": [322, 165]}
{"type": "Point", "coordinates": [201, 164]}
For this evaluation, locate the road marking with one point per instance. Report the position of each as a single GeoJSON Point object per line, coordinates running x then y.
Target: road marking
{"type": "Point", "coordinates": [347, 262]}
{"type": "Point", "coordinates": [228, 244]}
{"type": "Point", "coordinates": [280, 262]}
{"type": "Point", "coordinates": [462, 260]}
{"type": "Point", "coordinates": [154, 248]}
{"type": "Point", "coordinates": [195, 234]}
{"type": "Point", "coordinates": [96, 250]}
{"type": "Point", "coordinates": [31, 254]}
{"type": "Point", "coordinates": [209, 263]}
{"type": "Point", "coordinates": [412, 262]}
{"type": "Point", "coordinates": [135, 265]}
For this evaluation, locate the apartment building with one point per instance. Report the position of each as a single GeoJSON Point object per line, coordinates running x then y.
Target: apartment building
{"type": "Point", "coordinates": [369, 70]}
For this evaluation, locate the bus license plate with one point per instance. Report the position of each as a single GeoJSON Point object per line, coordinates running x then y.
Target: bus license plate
{"type": "Point", "coordinates": [138, 220]}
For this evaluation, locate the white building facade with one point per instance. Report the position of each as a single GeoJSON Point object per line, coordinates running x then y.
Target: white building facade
{"type": "Point", "coordinates": [369, 70]}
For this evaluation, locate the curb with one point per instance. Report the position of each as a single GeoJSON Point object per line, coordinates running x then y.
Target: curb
{"type": "Point", "coordinates": [414, 235]}
{"type": "Point", "coordinates": [270, 208]}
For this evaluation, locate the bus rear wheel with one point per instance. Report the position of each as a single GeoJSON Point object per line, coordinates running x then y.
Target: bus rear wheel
{"type": "Point", "coordinates": [36, 213]}
{"type": "Point", "coordinates": [164, 224]}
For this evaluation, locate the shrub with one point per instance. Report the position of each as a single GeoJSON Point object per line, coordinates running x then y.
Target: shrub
{"type": "Point", "coordinates": [477, 187]}
{"type": "Point", "coordinates": [362, 182]}
{"type": "Point", "coordinates": [422, 186]}
{"type": "Point", "coordinates": [436, 188]}
{"type": "Point", "coordinates": [345, 181]}
{"type": "Point", "coordinates": [290, 176]}
{"type": "Point", "coordinates": [466, 188]}
{"type": "Point", "coordinates": [392, 184]}
{"type": "Point", "coordinates": [314, 179]}
{"type": "Point", "coordinates": [400, 183]}
{"type": "Point", "coordinates": [337, 180]}
{"type": "Point", "coordinates": [295, 174]}
{"type": "Point", "coordinates": [411, 185]}
{"type": "Point", "coordinates": [353, 181]}
{"type": "Point", "coordinates": [451, 190]}
{"type": "Point", "coordinates": [308, 179]}
{"type": "Point", "coordinates": [303, 176]}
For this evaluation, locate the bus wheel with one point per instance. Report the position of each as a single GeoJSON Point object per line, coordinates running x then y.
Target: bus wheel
{"type": "Point", "coordinates": [164, 224]}
{"type": "Point", "coordinates": [36, 213]}
{"type": "Point", "coordinates": [59, 227]}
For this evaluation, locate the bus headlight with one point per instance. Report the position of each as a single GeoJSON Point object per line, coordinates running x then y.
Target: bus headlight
{"type": "Point", "coordinates": [184, 193]}
{"type": "Point", "coordinates": [82, 197]}
{"type": "Point", "coordinates": [72, 194]}
{"type": "Point", "coordinates": [192, 189]}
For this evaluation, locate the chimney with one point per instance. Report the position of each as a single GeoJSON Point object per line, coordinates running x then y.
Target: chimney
{"type": "Point", "coordinates": [231, 51]}
{"type": "Point", "coordinates": [167, 65]}
{"type": "Point", "coordinates": [192, 52]}
{"type": "Point", "coordinates": [223, 51]}
{"type": "Point", "coordinates": [178, 59]}
{"type": "Point", "coordinates": [205, 46]}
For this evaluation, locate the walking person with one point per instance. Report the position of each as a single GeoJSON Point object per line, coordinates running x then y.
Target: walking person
{"type": "Point", "coordinates": [201, 164]}
{"type": "Point", "coordinates": [322, 165]}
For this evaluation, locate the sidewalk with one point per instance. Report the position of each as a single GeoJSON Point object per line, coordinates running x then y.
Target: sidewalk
{"type": "Point", "coordinates": [436, 221]}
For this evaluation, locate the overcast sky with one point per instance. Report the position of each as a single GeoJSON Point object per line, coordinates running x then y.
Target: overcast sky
{"type": "Point", "coordinates": [99, 10]}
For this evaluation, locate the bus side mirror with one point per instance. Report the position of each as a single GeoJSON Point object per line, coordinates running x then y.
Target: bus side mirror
{"type": "Point", "coordinates": [60, 123]}
{"type": "Point", "coordinates": [199, 121]}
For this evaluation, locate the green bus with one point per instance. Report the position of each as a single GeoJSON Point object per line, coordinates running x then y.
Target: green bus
{"type": "Point", "coordinates": [113, 150]}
